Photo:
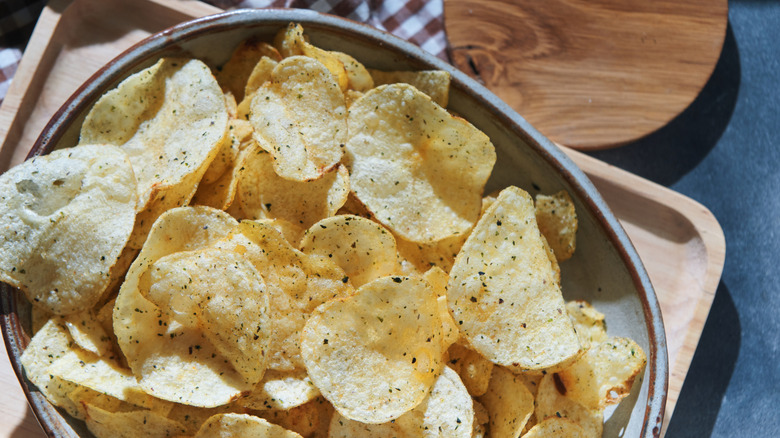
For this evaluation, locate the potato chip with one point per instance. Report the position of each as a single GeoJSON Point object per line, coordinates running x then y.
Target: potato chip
{"type": "Point", "coordinates": [375, 354]}
{"type": "Point", "coordinates": [310, 420]}
{"type": "Point", "coordinates": [438, 280]}
{"type": "Point", "coordinates": [419, 170]}
{"type": "Point", "coordinates": [141, 423]}
{"type": "Point", "coordinates": [64, 220]}
{"type": "Point", "coordinates": [106, 377]}
{"type": "Point", "coordinates": [502, 292]}
{"type": "Point", "coordinates": [364, 249]}
{"type": "Point", "coordinates": [473, 369]}
{"type": "Point", "coordinates": [50, 343]}
{"type": "Point", "coordinates": [423, 256]}
{"type": "Point", "coordinates": [300, 118]}
{"type": "Point", "coordinates": [291, 42]}
{"type": "Point", "coordinates": [604, 374]}
{"type": "Point", "coordinates": [83, 396]}
{"type": "Point", "coordinates": [296, 283]}
{"type": "Point", "coordinates": [481, 420]}
{"type": "Point", "coordinates": [193, 417]}
{"type": "Point", "coordinates": [242, 425]}
{"type": "Point", "coordinates": [281, 390]}
{"type": "Point", "coordinates": [553, 260]}
{"type": "Point", "coordinates": [236, 72]}
{"type": "Point", "coordinates": [588, 322]}
{"type": "Point", "coordinates": [358, 77]}
{"type": "Point", "coordinates": [239, 133]}
{"type": "Point", "coordinates": [264, 194]}
{"type": "Point", "coordinates": [434, 83]}
{"type": "Point", "coordinates": [447, 412]}
{"type": "Point", "coordinates": [87, 332]}
{"type": "Point", "coordinates": [558, 222]}
{"type": "Point", "coordinates": [156, 115]}
{"type": "Point", "coordinates": [508, 402]}
{"type": "Point", "coordinates": [551, 403]}
{"type": "Point", "coordinates": [557, 427]}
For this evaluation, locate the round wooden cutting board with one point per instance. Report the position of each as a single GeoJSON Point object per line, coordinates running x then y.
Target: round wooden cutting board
{"type": "Point", "coordinates": [589, 74]}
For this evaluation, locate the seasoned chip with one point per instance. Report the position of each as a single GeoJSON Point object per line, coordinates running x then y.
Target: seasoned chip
{"type": "Point", "coordinates": [242, 425]}
{"type": "Point", "coordinates": [588, 322]}
{"type": "Point", "coordinates": [502, 292]}
{"type": "Point", "coordinates": [551, 403]}
{"type": "Point", "coordinates": [106, 424]}
{"type": "Point", "coordinates": [310, 420]}
{"type": "Point", "coordinates": [375, 354]}
{"type": "Point", "coordinates": [605, 373]}
{"type": "Point", "coordinates": [438, 280]}
{"type": "Point", "coordinates": [434, 83]}
{"type": "Point", "coordinates": [291, 42]}
{"type": "Point", "coordinates": [419, 170]}
{"type": "Point", "coordinates": [508, 402]}
{"type": "Point", "coordinates": [264, 194]}
{"type": "Point", "coordinates": [362, 247]}
{"type": "Point", "coordinates": [83, 396]}
{"type": "Point", "coordinates": [558, 222]}
{"type": "Point", "coordinates": [235, 73]}
{"type": "Point", "coordinates": [473, 369]}
{"type": "Point", "coordinates": [64, 220]}
{"type": "Point", "coordinates": [447, 412]}
{"type": "Point", "coordinates": [441, 253]}
{"type": "Point", "coordinates": [301, 119]}
{"type": "Point", "coordinates": [359, 78]}
{"type": "Point", "coordinates": [296, 283]}
{"type": "Point", "coordinates": [281, 390]}
{"type": "Point", "coordinates": [156, 115]}
{"type": "Point", "coordinates": [88, 333]}
{"type": "Point", "coordinates": [556, 427]}
{"type": "Point", "coordinates": [50, 343]}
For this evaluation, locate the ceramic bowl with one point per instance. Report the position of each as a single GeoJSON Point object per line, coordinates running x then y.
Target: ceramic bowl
{"type": "Point", "coordinates": [605, 269]}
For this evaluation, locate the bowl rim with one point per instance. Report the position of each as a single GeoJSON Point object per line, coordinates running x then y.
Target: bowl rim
{"type": "Point", "coordinates": [150, 47]}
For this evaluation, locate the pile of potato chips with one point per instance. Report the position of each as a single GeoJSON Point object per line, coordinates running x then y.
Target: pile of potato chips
{"type": "Point", "coordinates": [294, 245]}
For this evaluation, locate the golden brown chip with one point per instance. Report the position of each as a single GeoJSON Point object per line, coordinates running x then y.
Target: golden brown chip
{"type": "Point", "coordinates": [558, 222]}
{"type": "Point", "coordinates": [264, 194]}
{"type": "Point", "coordinates": [281, 390]}
{"type": "Point", "coordinates": [502, 291]}
{"type": "Point", "coordinates": [300, 118]}
{"type": "Point", "coordinates": [422, 256]}
{"type": "Point", "coordinates": [310, 420]}
{"type": "Point", "coordinates": [156, 115]}
{"type": "Point", "coordinates": [375, 354]}
{"type": "Point", "coordinates": [364, 249]}
{"type": "Point", "coordinates": [359, 79]}
{"type": "Point", "coordinates": [88, 333]}
{"type": "Point", "coordinates": [235, 73]}
{"type": "Point", "coordinates": [551, 403]}
{"type": "Point", "coordinates": [64, 220]}
{"type": "Point", "coordinates": [292, 42]}
{"type": "Point", "coordinates": [419, 170]}
{"type": "Point", "coordinates": [438, 280]}
{"type": "Point", "coordinates": [605, 373]}
{"type": "Point", "coordinates": [434, 83]}
{"type": "Point", "coordinates": [508, 402]}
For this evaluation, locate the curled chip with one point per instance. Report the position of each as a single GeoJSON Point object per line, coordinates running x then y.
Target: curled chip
{"type": "Point", "coordinates": [375, 354]}
{"type": "Point", "coordinates": [104, 424]}
{"type": "Point", "coordinates": [64, 220]}
{"type": "Point", "coordinates": [156, 115]}
{"type": "Point", "coordinates": [434, 83]}
{"type": "Point", "coordinates": [551, 403]}
{"type": "Point", "coordinates": [559, 427]}
{"type": "Point", "coordinates": [281, 390]}
{"type": "Point", "coordinates": [291, 42]}
{"type": "Point", "coordinates": [418, 169]}
{"type": "Point", "coordinates": [558, 223]}
{"type": "Point", "coordinates": [508, 402]}
{"type": "Point", "coordinates": [264, 194]}
{"type": "Point", "coordinates": [502, 291]}
{"type": "Point", "coordinates": [473, 369]}
{"type": "Point", "coordinates": [300, 118]}
{"type": "Point", "coordinates": [235, 73]}
{"type": "Point", "coordinates": [242, 425]}
{"type": "Point", "coordinates": [363, 248]}
{"type": "Point", "coordinates": [604, 374]}
{"type": "Point", "coordinates": [447, 412]}
{"type": "Point", "coordinates": [589, 323]}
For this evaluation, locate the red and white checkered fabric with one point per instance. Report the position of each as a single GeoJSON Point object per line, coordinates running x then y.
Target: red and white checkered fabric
{"type": "Point", "coordinates": [418, 21]}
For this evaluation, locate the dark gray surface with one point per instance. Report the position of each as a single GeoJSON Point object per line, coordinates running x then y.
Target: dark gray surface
{"type": "Point", "coordinates": [724, 151]}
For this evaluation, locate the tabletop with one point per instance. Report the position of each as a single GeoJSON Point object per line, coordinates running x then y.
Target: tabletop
{"type": "Point", "coordinates": [720, 151]}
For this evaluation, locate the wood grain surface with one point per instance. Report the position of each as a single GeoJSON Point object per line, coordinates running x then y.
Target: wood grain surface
{"type": "Point", "coordinates": [679, 240]}
{"type": "Point", "coordinates": [589, 74]}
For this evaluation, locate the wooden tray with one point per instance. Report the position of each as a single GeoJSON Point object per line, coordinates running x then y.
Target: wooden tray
{"type": "Point", "coordinates": [679, 240]}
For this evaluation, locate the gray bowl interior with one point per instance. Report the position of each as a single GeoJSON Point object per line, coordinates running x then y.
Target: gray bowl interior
{"type": "Point", "coordinates": [605, 269]}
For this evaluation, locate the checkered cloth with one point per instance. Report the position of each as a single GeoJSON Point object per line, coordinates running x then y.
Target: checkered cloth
{"type": "Point", "coordinates": [418, 21]}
